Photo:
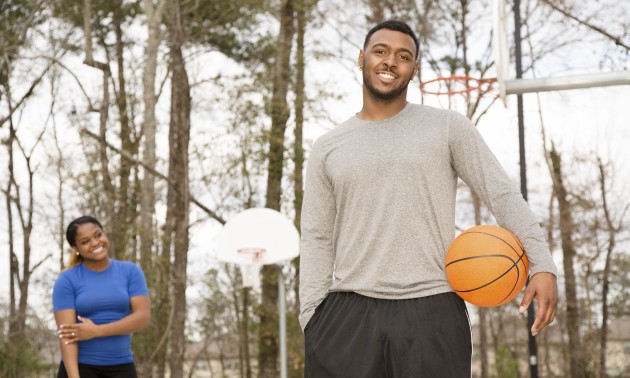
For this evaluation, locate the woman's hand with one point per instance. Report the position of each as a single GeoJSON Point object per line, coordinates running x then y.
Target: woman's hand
{"type": "Point", "coordinates": [71, 333]}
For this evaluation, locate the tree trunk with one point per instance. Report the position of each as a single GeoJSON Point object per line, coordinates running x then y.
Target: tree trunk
{"type": "Point", "coordinates": [298, 146]}
{"type": "Point", "coordinates": [576, 364]}
{"type": "Point", "coordinates": [483, 312]}
{"type": "Point", "coordinates": [13, 262]}
{"type": "Point", "coordinates": [294, 332]}
{"type": "Point", "coordinates": [148, 339]}
{"type": "Point", "coordinates": [612, 230]}
{"type": "Point", "coordinates": [20, 276]}
{"type": "Point", "coordinates": [179, 136]}
{"type": "Point", "coordinates": [60, 198]}
{"type": "Point", "coordinates": [109, 188]}
{"type": "Point", "coordinates": [378, 12]}
{"type": "Point", "coordinates": [121, 227]}
{"type": "Point", "coordinates": [268, 331]}
{"type": "Point", "coordinates": [27, 228]}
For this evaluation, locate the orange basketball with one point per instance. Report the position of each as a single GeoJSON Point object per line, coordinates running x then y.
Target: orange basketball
{"type": "Point", "coordinates": [487, 266]}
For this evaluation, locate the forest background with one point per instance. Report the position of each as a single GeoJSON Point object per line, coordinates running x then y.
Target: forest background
{"type": "Point", "coordinates": [165, 118]}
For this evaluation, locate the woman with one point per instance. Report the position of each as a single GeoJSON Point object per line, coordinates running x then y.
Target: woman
{"type": "Point", "coordinates": [98, 302]}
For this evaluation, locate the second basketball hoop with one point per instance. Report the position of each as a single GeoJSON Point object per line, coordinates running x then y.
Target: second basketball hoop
{"type": "Point", "coordinates": [459, 84]}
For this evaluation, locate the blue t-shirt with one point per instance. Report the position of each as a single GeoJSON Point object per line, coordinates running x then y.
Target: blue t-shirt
{"type": "Point", "coordinates": [102, 297]}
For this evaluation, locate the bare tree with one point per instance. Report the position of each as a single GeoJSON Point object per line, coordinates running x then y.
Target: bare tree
{"type": "Point", "coordinates": [20, 266]}
{"type": "Point", "coordinates": [571, 14]}
{"type": "Point", "coordinates": [148, 340]}
{"type": "Point", "coordinates": [268, 334]}
{"type": "Point", "coordinates": [179, 138]}
{"type": "Point", "coordinates": [108, 184]}
{"type": "Point", "coordinates": [576, 358]}
{"type": "Point", "coordinates": [612, 230]}
{"type": "Point", "coordinates": [125, 211]}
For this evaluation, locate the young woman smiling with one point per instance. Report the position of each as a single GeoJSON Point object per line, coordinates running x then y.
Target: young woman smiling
{"type": "Point", "coordinates": [98, 303]}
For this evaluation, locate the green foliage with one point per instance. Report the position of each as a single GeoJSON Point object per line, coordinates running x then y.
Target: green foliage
{"type": "Point", "coordinates": [217, 317]}
{"type": "Point", "coordinates": [71, 12]}
{"type": "Point", "coordinates": [506, 363]}
{"type": "Point", "coordinates": [16, 18]}
{"type": "Point", "coordinates": [619, 297]}
{"type": "Point", "coordinates": [20, 355]}
{"type": "Point", "coordinates": [230, 26]}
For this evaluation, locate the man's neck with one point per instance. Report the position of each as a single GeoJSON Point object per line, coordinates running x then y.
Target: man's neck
{"type": "Point", "coordinates": [377, 110]}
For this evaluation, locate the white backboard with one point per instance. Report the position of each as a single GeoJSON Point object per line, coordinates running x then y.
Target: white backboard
{"type": "Point", "coordinates": [500, 47]}
{"type": "Point", "coordinates": [257, 229]}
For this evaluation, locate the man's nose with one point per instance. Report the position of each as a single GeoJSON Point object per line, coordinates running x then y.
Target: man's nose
{"type": "Point", "coordinates": [390, 60]}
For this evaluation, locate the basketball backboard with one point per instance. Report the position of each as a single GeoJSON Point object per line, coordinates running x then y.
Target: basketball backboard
{"type": "Point", "coordinates": [500, 47]}
{"type": "Point", "coordinates": [507, 86]}
{"type": "Point", "coordinates": [257, 236]}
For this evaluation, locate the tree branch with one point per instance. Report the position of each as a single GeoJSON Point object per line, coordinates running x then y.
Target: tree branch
{"type": "Point", "coordinates": [28, 94]}
{"type": "Point", "coordinates": [601, 31]}
{"type": "Point", "coordinates": [154, 172]}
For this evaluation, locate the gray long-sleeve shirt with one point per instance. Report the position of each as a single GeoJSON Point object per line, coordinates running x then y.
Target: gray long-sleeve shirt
{"type": "Point", "coordinates": [379, 206]}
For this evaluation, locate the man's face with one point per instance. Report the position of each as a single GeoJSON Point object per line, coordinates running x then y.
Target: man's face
{"type": "Point", "coordinates": [388, 64]}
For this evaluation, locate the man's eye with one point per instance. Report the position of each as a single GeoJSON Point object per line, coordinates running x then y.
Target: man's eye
{"type": "Point", "coordinates": [404, 57]}
{"type": "Point", "coordinates": [380, 52]}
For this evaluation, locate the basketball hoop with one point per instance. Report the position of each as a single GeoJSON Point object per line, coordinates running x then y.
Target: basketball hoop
{"type": "Point", "coordinates": [458, 84]}
{"type": "Point", "coordinates": [255, 253]}
{"type": "Point", "coordinates": [256, 237]}
{"type": "Point", "coordinates": [250, 272]}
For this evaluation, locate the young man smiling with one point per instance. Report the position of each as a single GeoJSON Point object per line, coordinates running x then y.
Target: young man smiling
{"type": "Point", "coordinates": [377, 219]}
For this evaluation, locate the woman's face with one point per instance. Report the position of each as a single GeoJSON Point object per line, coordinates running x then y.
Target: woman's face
{"type": "Point", "coordinates": [91, 242]}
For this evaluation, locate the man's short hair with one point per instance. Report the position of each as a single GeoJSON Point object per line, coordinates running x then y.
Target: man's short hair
{"type": "Point", "coordinates": [395, 25]}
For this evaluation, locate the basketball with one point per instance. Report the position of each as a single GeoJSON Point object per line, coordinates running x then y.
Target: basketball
{"type": "Point", "coordinates": [487, 266]}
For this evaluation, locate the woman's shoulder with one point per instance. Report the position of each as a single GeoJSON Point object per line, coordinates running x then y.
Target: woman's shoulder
{"type": "Point", "coordinates": [70, 272]}
{"type": "Point", "coordinates": [68, 276]}
{"type": "Point", "coordinates": [127, 266]}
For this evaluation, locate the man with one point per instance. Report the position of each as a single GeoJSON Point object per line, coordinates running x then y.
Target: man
{"type": "Point", "coordinates": [378, 217]}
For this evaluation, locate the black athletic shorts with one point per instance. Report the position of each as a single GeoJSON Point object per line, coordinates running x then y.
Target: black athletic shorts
{"type": "Point", "coordinates": [102, 371]}
{"type": "Point", "coordinates": [353, 336]}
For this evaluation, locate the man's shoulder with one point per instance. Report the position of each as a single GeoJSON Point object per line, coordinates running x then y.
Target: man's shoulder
{"type": "Point", "coordinates": [431, 110]}
{"type": "Point", "coordinates": [438, 116]}
{"type": "Point", "coordinates": [337, 132]}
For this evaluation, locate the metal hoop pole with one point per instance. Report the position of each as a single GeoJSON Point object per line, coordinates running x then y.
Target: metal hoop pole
{"type": "Point", "coordinates": [282, 310]}
{"type": "Point", "coordinates": [533, 347]}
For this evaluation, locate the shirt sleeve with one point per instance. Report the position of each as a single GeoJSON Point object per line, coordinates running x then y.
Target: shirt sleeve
{"type": "Point", "coordinates": [63, 294]}
{"type": "Point", "coordinates": [137, 282]}
{"type": "Point", "coordinates": [316, 244]}
{"type": "Point", "coordinates": [475, 163]}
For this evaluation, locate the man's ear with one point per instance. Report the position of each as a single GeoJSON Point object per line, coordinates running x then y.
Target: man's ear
{"type": "Point", "coordinates": [361, 58]}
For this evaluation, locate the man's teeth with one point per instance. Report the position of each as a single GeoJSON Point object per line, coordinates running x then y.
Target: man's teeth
{"type": "Point", "coordinates": [387, 75]}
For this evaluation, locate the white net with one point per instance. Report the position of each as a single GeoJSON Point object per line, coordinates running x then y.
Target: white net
{"type": "Point", "coordinates": [250, 274]}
